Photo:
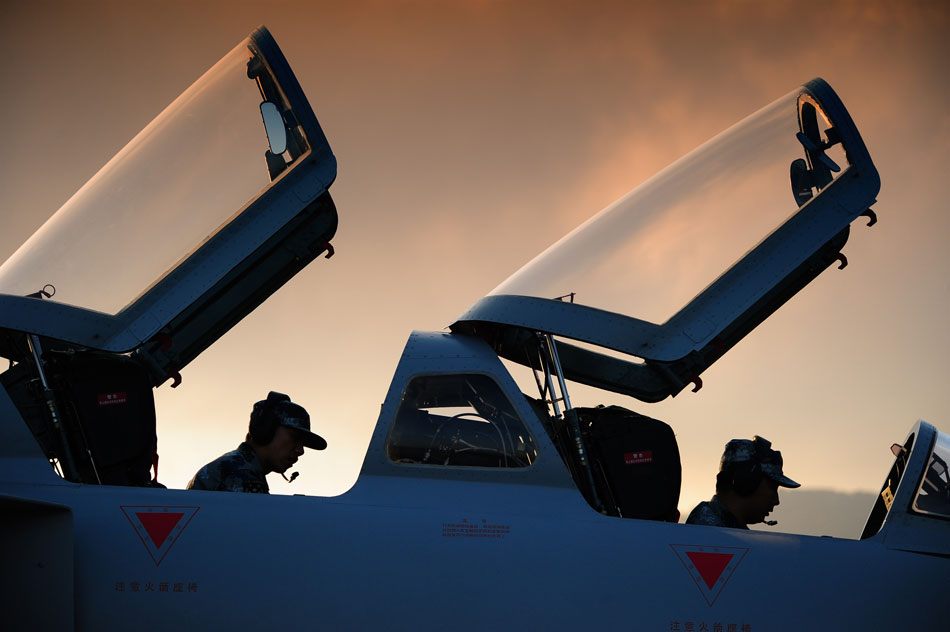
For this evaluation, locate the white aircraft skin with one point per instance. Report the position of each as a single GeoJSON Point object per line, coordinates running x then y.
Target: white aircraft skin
{"type": "Point", "coordinates": [425, 546]}
{"type": "Point", "coordinates": [385, 554]}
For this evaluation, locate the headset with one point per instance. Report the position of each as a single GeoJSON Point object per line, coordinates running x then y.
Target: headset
{"type": "Point", "coordinates": [264, 419]}
{"type": "Point", "coordinates": [746, 478]}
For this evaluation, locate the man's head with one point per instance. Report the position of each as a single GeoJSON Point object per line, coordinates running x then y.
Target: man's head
{"type": "Point", "coordinates": [279, 430]}
{"type": "Point", "coordinates": [750, 474]}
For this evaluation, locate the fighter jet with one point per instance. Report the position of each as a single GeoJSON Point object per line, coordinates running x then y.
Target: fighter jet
{"type": "Point", "coordinates": [481, 504]}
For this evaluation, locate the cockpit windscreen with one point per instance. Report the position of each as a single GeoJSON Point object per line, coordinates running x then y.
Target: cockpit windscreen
{"type": "Point", "coordinates": [933, 496]}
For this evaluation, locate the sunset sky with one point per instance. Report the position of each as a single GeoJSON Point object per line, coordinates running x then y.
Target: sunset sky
{"type": "Point", "coordinates": [472, 135]}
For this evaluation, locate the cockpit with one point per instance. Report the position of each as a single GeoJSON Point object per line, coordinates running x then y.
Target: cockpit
{"type": "Point", "coordinates": [915, 492]}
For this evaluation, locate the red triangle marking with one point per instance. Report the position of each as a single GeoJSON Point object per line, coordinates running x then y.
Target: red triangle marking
{"type": "Point", "coordinates": [159, 525]}
{"type": "Point", "coordinates": [710, 565]}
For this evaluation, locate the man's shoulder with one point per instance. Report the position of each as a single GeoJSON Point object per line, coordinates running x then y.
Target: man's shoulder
{"type": "Point", "coordinates": [705, 513]}
{"type": "Point", "coordinates": [234, 458]}
{"type": "Point", "coordinates": [712, 513]}
{"type": "Point", "coordinates": [231, 472]}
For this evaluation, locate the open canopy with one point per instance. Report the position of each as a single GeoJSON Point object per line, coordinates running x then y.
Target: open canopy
{"type": "Point", "coordinates": [773, 196]}
{"type": "Point", "coordinates": [206, 212]}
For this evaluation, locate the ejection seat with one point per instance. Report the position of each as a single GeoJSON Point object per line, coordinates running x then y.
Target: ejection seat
{"type": "Point", "coordinates": [637, 462]}
{"type": "Point", "coordinates": [107, 409]}
{"type": "Point", "coordinates": [634, 461]}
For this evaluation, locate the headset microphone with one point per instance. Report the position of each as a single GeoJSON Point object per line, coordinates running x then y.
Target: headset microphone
{"type": "Point", "coordinates": [770, 523]}
{"type": "Point", "coordinates": [292, 476]}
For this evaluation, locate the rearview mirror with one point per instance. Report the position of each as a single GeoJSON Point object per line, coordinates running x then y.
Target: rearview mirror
{"type": "Point", "coordinates": [274, 126]}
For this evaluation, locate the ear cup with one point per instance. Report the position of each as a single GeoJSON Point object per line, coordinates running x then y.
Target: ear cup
{"type": "Point", "coordinates": [746, 478]}
{"type": "Point", "coordinates": [749, 474]}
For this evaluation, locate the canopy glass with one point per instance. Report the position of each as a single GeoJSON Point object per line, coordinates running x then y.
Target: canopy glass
{"type": "Point", "coordinates": [651, 251]}
{"type": "Point", "coordinates": [170, 189]}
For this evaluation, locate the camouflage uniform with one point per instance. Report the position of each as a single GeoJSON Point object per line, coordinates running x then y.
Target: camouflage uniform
{"type": "Point", "coordinates": [714, 514]}
{"type": "Point", "coordinates": [237, 471]}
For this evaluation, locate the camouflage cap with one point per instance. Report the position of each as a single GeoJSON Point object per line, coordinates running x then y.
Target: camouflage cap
{"type": "Point", "coordinates": [757, 450]}
{"type": "Point", "coordinates": [278, 406]}
{"type": "Point", "coordinates": [293, 415]}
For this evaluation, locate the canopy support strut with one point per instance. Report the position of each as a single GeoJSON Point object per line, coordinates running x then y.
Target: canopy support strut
{"type": "Point", "coordinates": [550, 360]}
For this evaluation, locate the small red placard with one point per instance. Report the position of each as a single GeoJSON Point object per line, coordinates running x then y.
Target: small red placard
{"type": "Point", "coordinates": [643, 456]}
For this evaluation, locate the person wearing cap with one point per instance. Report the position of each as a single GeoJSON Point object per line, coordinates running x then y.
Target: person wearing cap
{"type": "Point", "coordinates": [750, 474]}
{"type": "Point", "coordinates": [277, 434]}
